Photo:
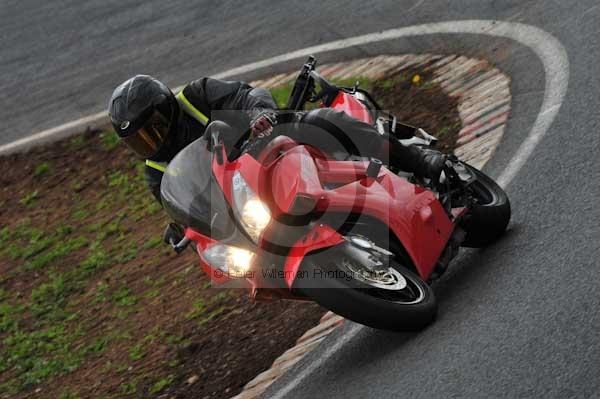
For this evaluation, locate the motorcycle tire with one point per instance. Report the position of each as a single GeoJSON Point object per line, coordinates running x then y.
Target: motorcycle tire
{"type": "Point", "coordinates": [373, 307]}
{"type": "Point", "coordinates": [489, 217]}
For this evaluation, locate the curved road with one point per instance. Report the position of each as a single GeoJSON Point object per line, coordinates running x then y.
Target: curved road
{"type": "Point", "coordinates": [518, 319]}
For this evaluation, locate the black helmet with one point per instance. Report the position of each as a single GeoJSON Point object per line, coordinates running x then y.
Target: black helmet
{"type": "Point", "coordinates": [144, 113]}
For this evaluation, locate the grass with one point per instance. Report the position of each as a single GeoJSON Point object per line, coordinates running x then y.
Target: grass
{"type": "Point", "coordinates": [97, 346]}
{"type": "Point", "coordinates": [41, 169]}
{"type": "Point", "coordinates": [130, 387]}
{"type": "Point", "coordinates": [59, 250]}
{"type": "Point", "coordinates": [51, 296]}
{"type": "Point", "coordinates": [97, 258]}
{"type": "Point", "coordinates": [77, 142]}
{"type": "Point", "coordinates": [35, 356]}
{"type": "Point", "coordinates": [161, 384]}
{"type": "Point", "coordinates": [68, 394]}
{"type": "Point", "coordinates": [81, 214]}
{"type": "Point", "coordinates": [198, 309]}
{"type": "Point", "coordinates": [137, 352]}
{"type": "Point", "coordinates": [29, 199]}
{"type": "Point", "coordinates": [123, 297]}
{"type": "Point", "coordinates": [120, 181]}
{"type": "Point", "coordinates": [40, 333]}
{"type": "Point", "coordinates": [9, 316]}
{"type": "Point", "coordinates": [109, 140]}
{"type": "Point", "coordinates": [48, 350]}
{"type": "Point", "coordinates": [100, 295]}
{"type": "Point", "coordinates": [153, 242]}
{"type": "Point", "coordinates": [36, 247]}
{"type": "Point", "coordinates": [153, 293]}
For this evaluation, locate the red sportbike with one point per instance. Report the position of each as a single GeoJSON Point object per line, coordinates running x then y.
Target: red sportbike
{"type": "Point", "coordinates": [352, 235]}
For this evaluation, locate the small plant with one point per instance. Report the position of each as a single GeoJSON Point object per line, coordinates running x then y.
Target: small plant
{"type": "Point", "coordinates": [64, 230]}
{"type": "Point", "coordinates": [77, 141]}
{"type": "Point", "coordinates": [50, 296]}
{"type": "Point", "coordinates": [137, 352]}
{"type": "Point", "coordinates": [153, 242]}
{"type": "Point", "coordinates": [121, 181]}
{"type": "Point", "coordinates": [153, 293]}
{"type": "Point", "coordinates": [97, 346]}
{"type": "Point", "coordinates": [175, 339]}
{"type": "Point", "coordinates": [161, 384]}
{"type": "Point", "coordinates": [213, 314]}
{"type": "Point", "coordinates": [69, 395]}
{"type": "Point", "coordinates": [100, 292]}
{"type": "Point", "coordinates": [109, 140]}
{"type": "Point", "coordinates": [29, 199]}
{"type": "Point", "coordinates": [77, 185]}
{"type": "Point", "coordinates": [41, 169]}
{"type": "Point", "coordinates": [125, 255]}
{"type": "Point", "coordinates": [129, 388]}
{"type": "Point", "coordinates": [103, 203]}
{"type": "Point", "coordinates": [198, 309]}
{"type": "Point", "coordinates": [97, 258]}
{"type": "Point", "coordinates": [123, 297]}
{"type": "Point", "coordinates": [81, 214]}
{"type": "Point", "coordinates": [121, 368]}
{"type": "Point", "coordinates": [9, 316]}
{"type": "Point", "coordinates": [109, 230]}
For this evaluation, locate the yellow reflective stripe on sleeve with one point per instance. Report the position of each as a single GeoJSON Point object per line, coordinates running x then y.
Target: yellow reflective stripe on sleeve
{"type": "Point", "coordinates": [190, 109]}
{"type": "Point", "coordinates": [156, 165]}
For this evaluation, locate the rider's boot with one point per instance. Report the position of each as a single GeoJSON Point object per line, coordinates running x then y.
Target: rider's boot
{"type": "Point", "coordinates": [423, 163]}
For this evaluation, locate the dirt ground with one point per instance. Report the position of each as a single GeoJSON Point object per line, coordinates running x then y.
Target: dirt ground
{"type": "Point", "coordinates": [93, 305]}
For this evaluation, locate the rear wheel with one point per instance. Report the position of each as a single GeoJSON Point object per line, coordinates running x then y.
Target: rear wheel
{"type": "Point", "coordinates": [390, 298]}
{"type": "Point", "coordinates": [489, 216]}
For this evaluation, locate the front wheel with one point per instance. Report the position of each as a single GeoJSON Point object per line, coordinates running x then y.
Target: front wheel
{"type": "Point", "coordinates": [489, 215]}
{"type": "Point", "coordinates": [394, 298]}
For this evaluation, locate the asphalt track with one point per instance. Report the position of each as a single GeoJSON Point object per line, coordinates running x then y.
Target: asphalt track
{"type": "Point", "coordinates": [518, 319]}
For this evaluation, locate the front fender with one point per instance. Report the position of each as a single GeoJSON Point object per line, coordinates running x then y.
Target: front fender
{"type": "Point", "coordinates": [319, 237]}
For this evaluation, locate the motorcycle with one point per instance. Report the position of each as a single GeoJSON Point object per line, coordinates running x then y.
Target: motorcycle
{"type": "Point", "coordinates": [363, 241]}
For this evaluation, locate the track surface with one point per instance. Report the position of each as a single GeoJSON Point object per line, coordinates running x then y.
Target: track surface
{"type": "Point", "coordinates": [519, 319]}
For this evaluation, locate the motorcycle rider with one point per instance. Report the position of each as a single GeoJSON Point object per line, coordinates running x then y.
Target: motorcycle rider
{"type": "Point", "coordinates": [156, 124]}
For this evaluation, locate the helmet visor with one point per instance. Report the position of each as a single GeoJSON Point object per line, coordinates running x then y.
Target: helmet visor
{"type": "Point", "coordinates": [147, 140]}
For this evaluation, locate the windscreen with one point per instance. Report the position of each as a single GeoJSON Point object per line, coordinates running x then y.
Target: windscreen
{"type": "Point", "coordinates": [190, 194]}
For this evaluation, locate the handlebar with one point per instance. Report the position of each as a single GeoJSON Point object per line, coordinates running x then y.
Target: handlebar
{"type": "Point", "coordinates": [303, 86]}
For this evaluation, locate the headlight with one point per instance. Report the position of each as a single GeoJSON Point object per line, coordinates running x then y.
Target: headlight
{"type": "Point", "coordinates": [231, 260]}
{"type": "Point", "coordinates": [251, 211]}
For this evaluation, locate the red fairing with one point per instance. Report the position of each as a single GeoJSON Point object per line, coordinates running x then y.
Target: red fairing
{"type": "Point", "coordinates": [202, 243]}
{"type": "Point", "coordinates": [412, 213]}
{"type": "Point", "coordinates": [321, 236]}
{"type": "Point", "coordinates": [251, 170]}
{"type": "Point", "coordinates": [353, 107]}
{"type": "Point", "coordinates": [295, 174]}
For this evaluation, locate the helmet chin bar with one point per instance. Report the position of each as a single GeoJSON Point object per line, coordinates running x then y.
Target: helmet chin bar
{"type": "Point", "coordinates": [148, 140]}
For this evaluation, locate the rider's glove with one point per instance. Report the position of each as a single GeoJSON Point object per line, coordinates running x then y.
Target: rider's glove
{"type": "Point", "coordinates": [262, 125]}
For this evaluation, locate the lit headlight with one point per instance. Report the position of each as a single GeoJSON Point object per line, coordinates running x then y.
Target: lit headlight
{"type": "Point", "coordinates": [231, 260]}
{"type": "Point", "coordinates": [253, 214]}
